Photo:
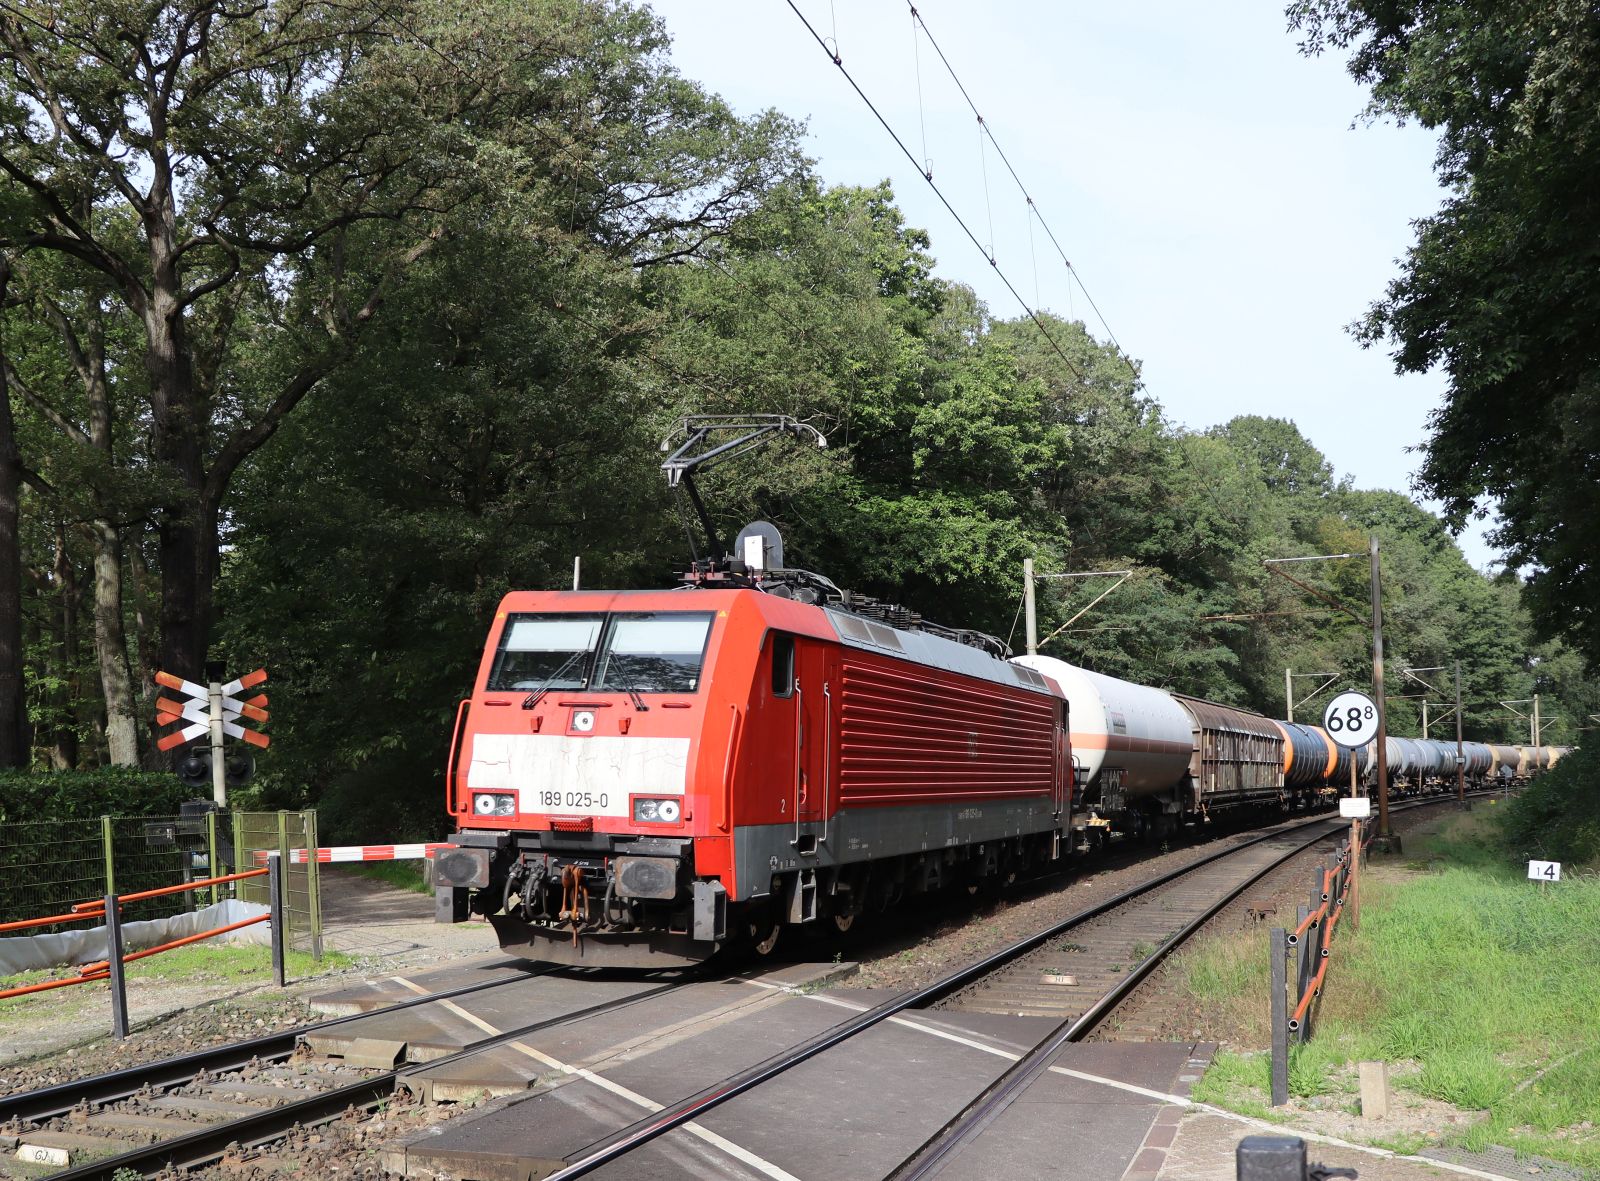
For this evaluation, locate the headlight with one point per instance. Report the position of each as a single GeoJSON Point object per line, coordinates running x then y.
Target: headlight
{"type": "Point", "coordinates": [494, 804]}
{"type": "Point", "coordinates": [656, 811]}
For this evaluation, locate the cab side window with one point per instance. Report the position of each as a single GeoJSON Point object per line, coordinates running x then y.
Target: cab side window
{"type": "Point", "coordinates": [782, 665]}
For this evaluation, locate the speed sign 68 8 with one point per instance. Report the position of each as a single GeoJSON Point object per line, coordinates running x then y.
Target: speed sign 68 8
{"type": "Point", "coordinates": [1351, 719]}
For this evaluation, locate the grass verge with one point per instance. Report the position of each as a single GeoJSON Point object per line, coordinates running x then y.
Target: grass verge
{"type": "Point", "coordinates": [197, 964]}
{"type": "Point", "coordinates": [1479, 989]}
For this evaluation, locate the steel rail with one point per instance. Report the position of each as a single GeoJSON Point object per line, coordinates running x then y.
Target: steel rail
{"type": "Point", "coordinates": [642, 1131]}
{"type": "Point", "coordinates": [968, 1123]}
{"type": "Point", "coordinates": [49, 1102]}
{"type": "Point", "coordinates": [207, 1144]}
{"type": "Point", "coordinates": [982, 1111]}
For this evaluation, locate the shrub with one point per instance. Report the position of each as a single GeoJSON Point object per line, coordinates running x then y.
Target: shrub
{"type": "Point", "coordinates": [81, 795]}
{"type": "Point", "coordinates": [1557, 816]}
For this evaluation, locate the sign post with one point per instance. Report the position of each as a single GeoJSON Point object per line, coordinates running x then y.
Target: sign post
{"type": "Point", "coordinates": [1351, 719]}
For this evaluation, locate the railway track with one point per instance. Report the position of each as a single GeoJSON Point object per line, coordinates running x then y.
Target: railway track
{"type": "Point", "coordinates": [196, 1109]}
{"type": "Point", "coordinates": [1002, 976]}
{"type": "Point", "coordinates": [240, 1100]}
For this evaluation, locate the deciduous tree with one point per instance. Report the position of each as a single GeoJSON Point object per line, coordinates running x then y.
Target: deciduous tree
{"type": "Point", "coordinates": [1501, 288]}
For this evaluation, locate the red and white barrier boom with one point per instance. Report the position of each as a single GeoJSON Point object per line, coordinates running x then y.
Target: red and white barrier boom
{"type": "Point", "coordinates": [336, 853]}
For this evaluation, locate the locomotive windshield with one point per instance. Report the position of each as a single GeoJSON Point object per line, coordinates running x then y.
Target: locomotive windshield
{"type": "Point", "coordinates": [646, 652]}
{"type": "Point", "coordinates": [534, 649]}
{"type": "Point", "coordinates": [659, 652]}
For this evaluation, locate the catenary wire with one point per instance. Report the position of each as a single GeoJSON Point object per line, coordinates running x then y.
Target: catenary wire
{"type": "Point", "coordinates": [945, 201]}
{"type": "Point", "coordinates": [986, 130]}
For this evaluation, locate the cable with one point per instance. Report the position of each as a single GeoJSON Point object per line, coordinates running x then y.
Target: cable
{"type": "Point", "coordinates": [986, 130]}
{"type": "Point", "coordinates": [922, 116]}
{"type": "Point", "coordinates": [945, 201]}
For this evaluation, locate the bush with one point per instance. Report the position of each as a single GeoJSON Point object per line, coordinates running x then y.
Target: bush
{"type": "Point", "coordinates": [1557, 816]}
{"type": "Point", "coordinates": [81, 795]}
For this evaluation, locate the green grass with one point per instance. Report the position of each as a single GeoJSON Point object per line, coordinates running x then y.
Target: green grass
{"type": "Point", "coordinates": [406, 875]}
{"type": "Point", "coordinates": [195, 964]}
{"type": "Point", "coordinates": [1469, 975]}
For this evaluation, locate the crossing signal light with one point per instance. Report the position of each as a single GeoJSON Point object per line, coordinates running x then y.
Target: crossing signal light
{"type": "Point", "coordinates": [240, 768]}
{"type": "Point", "coordinates": [194, 768]}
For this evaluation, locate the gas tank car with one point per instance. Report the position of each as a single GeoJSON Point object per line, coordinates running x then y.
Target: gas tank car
{"type": "Point", "coordinates": [1132, 743]}
{"type": "Point", "coordinates": [642, 777]}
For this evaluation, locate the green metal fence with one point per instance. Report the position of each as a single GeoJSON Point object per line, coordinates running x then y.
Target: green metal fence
{"type": "Point", "coordinates": [283, 832]}
{"type": "Point", "coordinates": [47, 866]}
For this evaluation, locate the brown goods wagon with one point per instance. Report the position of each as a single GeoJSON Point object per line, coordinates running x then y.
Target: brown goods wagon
{"type": "Point", "coordinates": [1238, 755]}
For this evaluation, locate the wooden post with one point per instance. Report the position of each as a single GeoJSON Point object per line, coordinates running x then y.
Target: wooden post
{"type": "Point", "coordinates": [1355, 875]}
{"type": "Point", "coordinates": [114, 964]}
{"type": "Point", "coordinates": [107, 846]}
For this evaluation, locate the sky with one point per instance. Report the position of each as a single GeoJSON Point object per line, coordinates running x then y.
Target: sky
{"type": "Point", "coordinates": [1225, 207]}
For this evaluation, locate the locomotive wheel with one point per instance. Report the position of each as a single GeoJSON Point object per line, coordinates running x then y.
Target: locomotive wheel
{"type": "Point", "coordinates": [843, 921]}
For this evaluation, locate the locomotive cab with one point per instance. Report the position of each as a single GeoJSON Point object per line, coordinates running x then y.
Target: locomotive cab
{"type": "Point", "coordinates": [574, 775]}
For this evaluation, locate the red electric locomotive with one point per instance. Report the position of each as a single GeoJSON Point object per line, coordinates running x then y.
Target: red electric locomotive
{"type": "Point", "coordinates": [641, 777]}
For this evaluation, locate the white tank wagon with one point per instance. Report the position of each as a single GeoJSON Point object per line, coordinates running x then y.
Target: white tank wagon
{"type": "Point", "coordinates": [1132, 744]}
{"type": "Point", "coordinates": [1507, 762]}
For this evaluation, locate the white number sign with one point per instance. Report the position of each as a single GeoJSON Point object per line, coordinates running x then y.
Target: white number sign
{"type": "Point", "coordinates": [1351, 719]}
{"type": "Point", "coordinates": [1544, 871]}
{"type": "Point", "coordinates": [1355, 808]}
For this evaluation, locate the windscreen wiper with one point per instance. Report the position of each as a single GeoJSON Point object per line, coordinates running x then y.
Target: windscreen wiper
{"type": "Point", "coordinates": [634, 696]}
{"type": "Point", "coordinates": [612, 679]}
{"type": "Point", "coordinates": [532, 699]}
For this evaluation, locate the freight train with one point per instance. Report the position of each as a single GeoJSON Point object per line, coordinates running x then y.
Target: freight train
{"type": "Point", "coordinates": [642, 777]}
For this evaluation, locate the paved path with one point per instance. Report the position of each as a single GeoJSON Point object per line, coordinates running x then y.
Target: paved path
{"type": "Point", "coordinates": [368, 919]}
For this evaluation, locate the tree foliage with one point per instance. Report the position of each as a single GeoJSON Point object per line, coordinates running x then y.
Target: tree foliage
{"type": "Point", "coordinates": [433, 307]}
{"type": "Point", "coordinates": [1499, 289]}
